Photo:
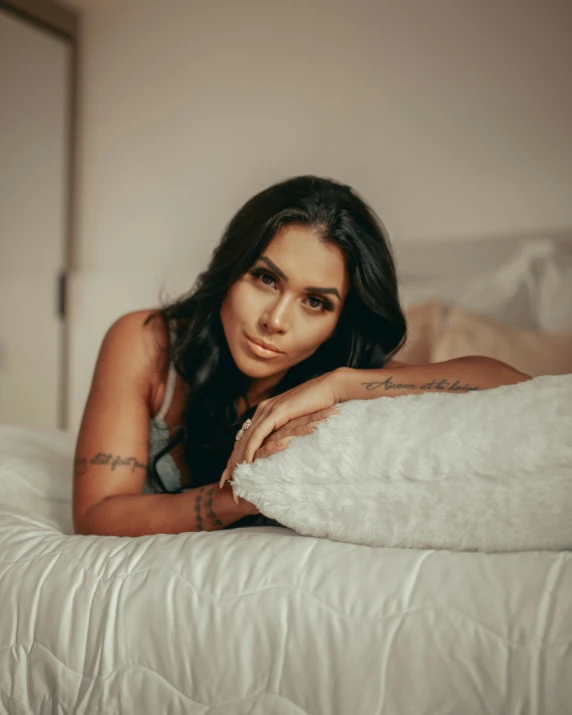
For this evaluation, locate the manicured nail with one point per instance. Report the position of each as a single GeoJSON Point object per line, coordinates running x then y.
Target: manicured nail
{"type": "Point", "coordinates": [221, 483]}
{"type": "Point", "coordinates": [235, 498]}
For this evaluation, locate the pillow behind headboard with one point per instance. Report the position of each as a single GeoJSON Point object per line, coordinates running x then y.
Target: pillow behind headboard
{"type": "Point", "coordinates": [519, 282]}
{"type": "Point", "coordinates": [534, 353]}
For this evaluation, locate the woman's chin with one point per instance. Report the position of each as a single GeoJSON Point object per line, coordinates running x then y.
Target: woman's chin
{"type": "Point", "coordinates": [260, 370]}
{"type": "Point", "coordinates": [252, 368]}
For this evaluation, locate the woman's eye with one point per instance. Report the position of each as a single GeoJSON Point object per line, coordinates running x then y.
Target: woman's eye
{"type": "Point", "coordinates": [266, 275]}
{"type": "Point", "coordinates": [318, 303]}
{"type": "Point", "coordinates": [261, 275]}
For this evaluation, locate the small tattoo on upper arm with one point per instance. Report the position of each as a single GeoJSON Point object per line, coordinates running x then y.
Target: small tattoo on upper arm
{"type": "Point", "coordinates": [113, 461]}
{"type": "Point", "coordinates": [102, 458]}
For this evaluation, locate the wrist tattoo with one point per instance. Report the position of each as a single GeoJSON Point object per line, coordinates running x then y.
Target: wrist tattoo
{"type": "Point", "coordinates": [207, 491]}
{"type": "Point", "coordinates": [442, 385]}
{"type": "Point", "coordinates": [110, 460]}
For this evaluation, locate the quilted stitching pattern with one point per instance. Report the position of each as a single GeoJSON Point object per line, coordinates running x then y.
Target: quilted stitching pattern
{"type": "Point", "coordinates": [260, 620]}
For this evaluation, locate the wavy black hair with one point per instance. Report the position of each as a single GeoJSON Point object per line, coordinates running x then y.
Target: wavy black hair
{"type": "Point", "coordinates": [370, 329]}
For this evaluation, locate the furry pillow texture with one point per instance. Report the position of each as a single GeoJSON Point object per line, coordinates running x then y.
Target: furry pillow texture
{"type": "Point", "coordinates": [481, 471]}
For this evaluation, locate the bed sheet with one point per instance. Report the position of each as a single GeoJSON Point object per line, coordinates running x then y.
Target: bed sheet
{"type": "Point", "coordinates": [261, 620]}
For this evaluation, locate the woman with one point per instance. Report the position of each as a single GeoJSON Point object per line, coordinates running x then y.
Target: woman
{"type": "Point", "coordinates": [297, 311]}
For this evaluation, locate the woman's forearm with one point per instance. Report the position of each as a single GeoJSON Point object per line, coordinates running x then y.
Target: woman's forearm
{"type": "Point", "coordinates": [205, 508]}
{"type": "Point", "coordinates": [451, 377]}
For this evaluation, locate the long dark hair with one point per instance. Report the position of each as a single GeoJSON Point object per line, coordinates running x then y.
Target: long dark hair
{"type": "Point", "coordinates": [370, 329]}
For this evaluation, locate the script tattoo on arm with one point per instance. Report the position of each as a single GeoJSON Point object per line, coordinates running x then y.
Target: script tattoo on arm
{"type": "Point", "coordinates": [207, 492]}
{"type": "Point", "coordinates": [110, 460]}
{"type": "Point", "coordinates": [442, 385]}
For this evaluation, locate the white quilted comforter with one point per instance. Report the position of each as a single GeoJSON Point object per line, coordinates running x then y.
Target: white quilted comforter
{"type": "Point", "coordinates": [261, 620]}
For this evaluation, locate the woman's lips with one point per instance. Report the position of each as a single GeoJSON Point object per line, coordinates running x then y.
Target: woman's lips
{"type": "Point", "coordinates": [259, 350]}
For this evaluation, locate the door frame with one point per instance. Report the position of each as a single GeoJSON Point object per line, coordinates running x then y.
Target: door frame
{"type": "Point", "coordinates": [65, 23]}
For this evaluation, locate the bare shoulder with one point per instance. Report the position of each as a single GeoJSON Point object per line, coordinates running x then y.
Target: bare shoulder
{"type": "Point", "coordinates": [139, 339]}
{"type": "Point", "coordinates": [117, 413]}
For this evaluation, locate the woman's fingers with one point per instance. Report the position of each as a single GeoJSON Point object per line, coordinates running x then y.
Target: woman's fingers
{"type": "Point", "coordinates": [265, 451]}
{"type": "Point", "coordinates": [288, 432]}
{"type": "Point", "coordinates": [278, 440]}
{"type": "Point", "coordinates": [316, 416]}
{"type": "Point", "coordinates": [284, 433]}
{"type": "Point", "coordinates": [300, 425]}
{"type": "Point", "coordinates": [271, 448]}
{"type": "Point", "coordinates": [306, 419]}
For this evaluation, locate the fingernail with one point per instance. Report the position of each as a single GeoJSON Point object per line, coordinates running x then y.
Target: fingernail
{"type": "Point", "coordinates": [235, 498]}
{"type": "Point", "coordinates": [221, 483]}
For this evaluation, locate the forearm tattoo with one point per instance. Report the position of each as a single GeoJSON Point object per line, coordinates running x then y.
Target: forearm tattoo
{"type": "Point", "coordinates": [204, 495]}
{"type": "Point", "coordinates": [207, 492]}
{"type": "Point", "coordinates": [442, 385]}
{"type": "Point", "coordinates": [108, 460]}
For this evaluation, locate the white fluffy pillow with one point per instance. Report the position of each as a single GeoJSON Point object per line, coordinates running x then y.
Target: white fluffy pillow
{"type": "Point", "coordinates": [485, 471]}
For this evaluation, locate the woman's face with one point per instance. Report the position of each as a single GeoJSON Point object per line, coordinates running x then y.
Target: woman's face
{"type": "Point", "coordinates": [290, 299]}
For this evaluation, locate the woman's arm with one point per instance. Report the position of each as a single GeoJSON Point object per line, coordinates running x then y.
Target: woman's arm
{"type": "Point", "coordinates": [112, 449]}
{"type": "Point", "coordinates": [202, 509]}
{"type": "Point", "coordinates": [451, 377]}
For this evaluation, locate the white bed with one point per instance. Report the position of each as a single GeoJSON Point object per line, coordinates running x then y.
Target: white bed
{"type": "Point", "coordinates": [260, 620]}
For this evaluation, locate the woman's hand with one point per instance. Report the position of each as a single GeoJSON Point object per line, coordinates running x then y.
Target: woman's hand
{"type": "Point", "coordinates": [278, 418]}
{"type": "Point", "coordinates": [244, 507]}
{"type": "Point", "coordinates": [278, 440]}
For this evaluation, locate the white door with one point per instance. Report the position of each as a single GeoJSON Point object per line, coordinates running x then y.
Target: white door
{"type": "Point", "coordinates": [34, 117]}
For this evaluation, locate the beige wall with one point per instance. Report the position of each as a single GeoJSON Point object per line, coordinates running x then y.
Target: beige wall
{"type": "Point", "coordinates": [452, 117]}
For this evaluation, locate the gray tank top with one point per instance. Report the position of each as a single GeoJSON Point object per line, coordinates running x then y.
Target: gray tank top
{"type": "Point", "coordinates": [159, 437]}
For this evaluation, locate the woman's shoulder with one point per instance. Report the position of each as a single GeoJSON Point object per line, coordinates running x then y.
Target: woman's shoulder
{"type": "Point", "coordinates": [143, 338]}
{"type": "Point", "coordinates": [143, 329]}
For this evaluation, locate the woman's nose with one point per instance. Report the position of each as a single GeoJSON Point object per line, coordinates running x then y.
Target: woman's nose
{"type": "Point", "coordinates": [276, 317]}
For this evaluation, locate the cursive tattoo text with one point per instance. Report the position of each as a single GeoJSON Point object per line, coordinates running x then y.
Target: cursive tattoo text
{"type": "Point", "coordinates": [442, 385]}
{"type": "Point", "coordinates": [109, 460]}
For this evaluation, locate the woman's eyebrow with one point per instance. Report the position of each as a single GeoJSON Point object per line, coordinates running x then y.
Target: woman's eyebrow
{"type": "Point", "coordinates": [284, 277]}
